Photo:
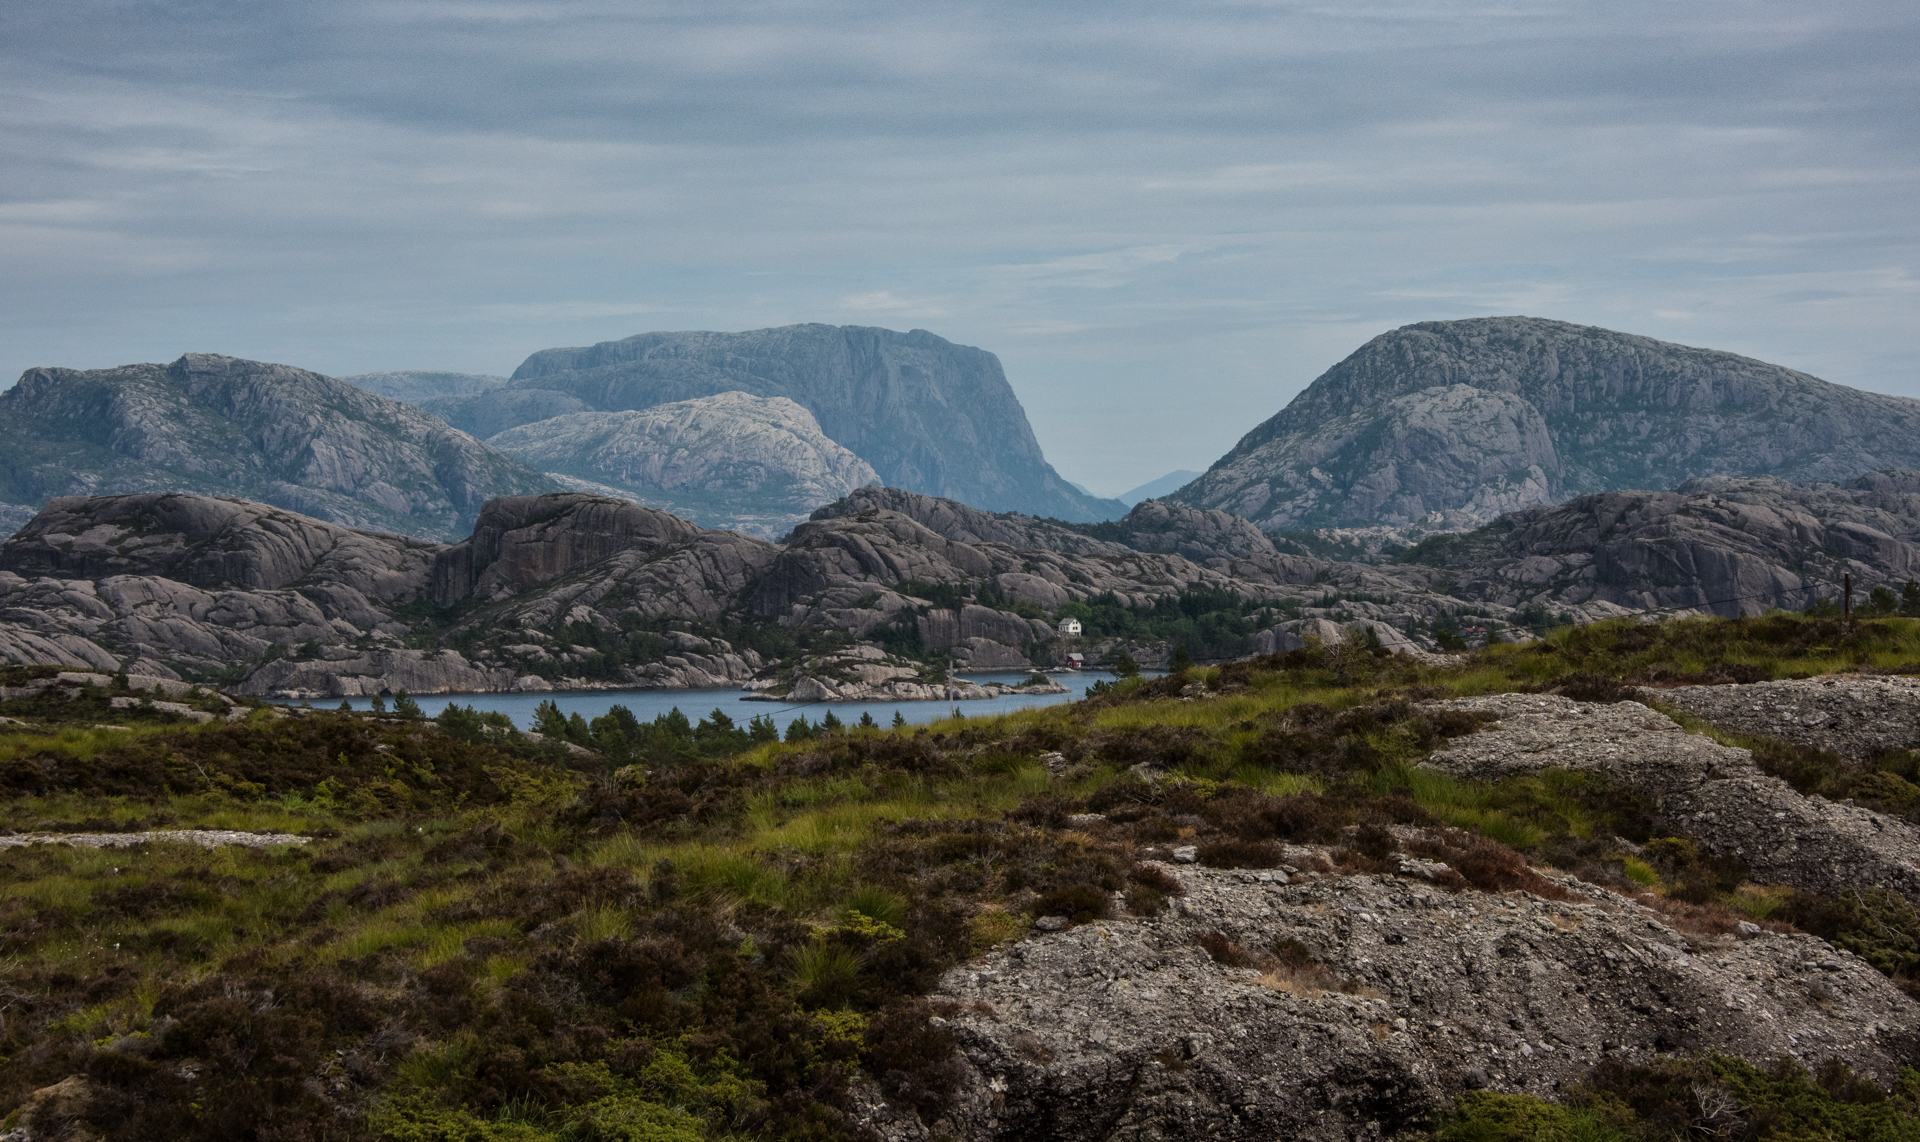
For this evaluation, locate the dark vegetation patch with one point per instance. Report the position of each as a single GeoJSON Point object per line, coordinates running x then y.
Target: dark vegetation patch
{"type": "Point", "coordinates": [356, 766]}
{"type": "Point", "coordinates": [1888, 782]}
{"type": "Point", "coordinates": [1708, 1097]}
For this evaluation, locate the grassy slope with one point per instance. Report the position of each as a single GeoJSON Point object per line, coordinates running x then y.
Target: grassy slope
{"type": "Point", "coordinates": [489, 940]}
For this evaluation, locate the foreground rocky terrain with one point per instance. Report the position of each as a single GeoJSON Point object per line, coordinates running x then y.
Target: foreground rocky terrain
{"type": "Point", "coordinates": [1697, 788]}
{"type": "Point", "coordinates": [220, 426]}
{"type": "Point", "coordinates": [1857, 718]}
{"type": "Point", "coordinates": [1399, 998]}
{"type": "Point", "coordinates": [1448, 424]}
{"type": "Point", "coordinates": [1335, 892]}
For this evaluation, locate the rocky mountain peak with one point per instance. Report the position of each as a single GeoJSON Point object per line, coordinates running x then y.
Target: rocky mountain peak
{"type": "Point", "coordinates": [224, 426]}
{"type": "Point", "coordinates": [1451, 423]}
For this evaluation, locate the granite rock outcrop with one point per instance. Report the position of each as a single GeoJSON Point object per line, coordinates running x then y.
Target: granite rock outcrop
{"type": "Point", "coordinates": [1854, 716]}
{"type": "Point", "coordinates": [1725, 545]}
{"type": "Point", "coordinates": [1699, 788]}
{"type": "Point", "coordinates": [1410, 996]}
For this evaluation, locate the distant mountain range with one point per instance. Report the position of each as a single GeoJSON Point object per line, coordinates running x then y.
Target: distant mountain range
{"type": "Point", "coordinates": [928, 415]}
{"type": "Point", "coordinates": [1448, 424]}
{"type": "Point", "coordinates": [220, 426]}
{"type": "Point", "coordinates": [1435, 427]}
{"type": "Point", "coordinates": [1155, 489]}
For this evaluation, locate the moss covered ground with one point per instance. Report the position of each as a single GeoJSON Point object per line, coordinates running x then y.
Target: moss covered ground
{"type": "Point", "coordinates": [487, 938]}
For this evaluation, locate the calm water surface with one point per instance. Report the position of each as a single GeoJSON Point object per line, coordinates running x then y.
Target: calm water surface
{"type": "Point", "coordinates": [697, 704]}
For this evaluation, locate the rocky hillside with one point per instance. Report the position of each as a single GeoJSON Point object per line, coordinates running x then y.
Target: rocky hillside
{"type": "Point", "coordinates": [1451, 423]}
{"type": "Point", "coordinates": [1726, 545]}
{"type": "Point", "coordinates": [577, 590]}
{"type": "Point", "coordinates": [220, 426]}
{"type": "Point", "coordinates": [929, 415]}
{"type": "Point", "coordinates": [754, 464]}
{"type": "Point", "coordinates": [573, 590]}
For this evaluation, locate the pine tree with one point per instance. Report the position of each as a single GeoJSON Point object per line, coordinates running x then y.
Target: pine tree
{"type": "Point", "coordinates": [548, 721]}
{"type": "Point", "coordinates": [899, 719]}
{"type": "Point", "coordinates": [406, 707]}
{"type": "Point", "coordinates": [1182, 661]}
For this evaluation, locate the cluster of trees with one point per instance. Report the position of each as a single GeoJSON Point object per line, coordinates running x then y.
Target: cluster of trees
{"type": "Point", "coordinates": [1880, 601]}
{"type": "Point", "coordinates": [667, 740]}
{"type": "Point", "coordinates": [1208, 623]}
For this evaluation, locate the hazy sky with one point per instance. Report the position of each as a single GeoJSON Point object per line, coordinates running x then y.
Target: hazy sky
{"type": "Point", "coordinates": [1165, 218]}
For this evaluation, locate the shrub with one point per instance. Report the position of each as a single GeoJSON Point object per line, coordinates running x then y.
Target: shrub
{"type": "Point", "coordinates": [1080, 903]}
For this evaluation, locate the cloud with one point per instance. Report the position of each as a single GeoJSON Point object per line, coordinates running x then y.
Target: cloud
{"type": "Point", "coordinates": [1214, 200]}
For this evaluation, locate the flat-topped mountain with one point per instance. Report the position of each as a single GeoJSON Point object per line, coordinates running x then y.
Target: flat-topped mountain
{"type": "Point", "coordinates": [221, 426]}
{"type": "Point", "coordinates": [1455, 422]}
{"type": "Point", "coordinates": [930, 416]}
{"type": "Point", "coordinates": [757, 464]}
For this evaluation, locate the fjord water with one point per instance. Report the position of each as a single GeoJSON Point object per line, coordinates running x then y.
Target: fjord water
{"type": "Point", "coordinates": [697, 704]}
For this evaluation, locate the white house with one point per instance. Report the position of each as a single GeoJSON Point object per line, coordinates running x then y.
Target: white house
{"type": "Point", "coordinates": [1069, 626]}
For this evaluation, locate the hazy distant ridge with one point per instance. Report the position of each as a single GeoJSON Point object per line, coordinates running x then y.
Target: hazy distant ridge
{"type": "Point", "coordinates": [929, 415]}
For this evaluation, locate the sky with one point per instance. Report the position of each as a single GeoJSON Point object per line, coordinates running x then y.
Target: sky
{"type": "Point", "coordinates": [1165, 218]}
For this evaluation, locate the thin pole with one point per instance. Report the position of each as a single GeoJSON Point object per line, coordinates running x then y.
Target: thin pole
{"type": "Point", "coordinates": [1846, 609]}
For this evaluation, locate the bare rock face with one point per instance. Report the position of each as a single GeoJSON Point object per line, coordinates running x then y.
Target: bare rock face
{"type": "Point", "coordinates": [220, 426]}
{"type": "Point", "coordinates": [1727, 546]}
{"type": "Point", "coordinates": [929, 415]}
{"type": "Point", "coordinates": [197, 582]}
{"type": "Point", "coordinates": [343, 672]}
{"type": "Point", "coordinates": [1700, 788]}
{"type": "Point", "coordinates": [972, 625]}
{"type": "Point", "coordinates": [521, 541]}
{"type": "Point", "coordinates": [729, 460]}
{"type": "Point", "coordinates": [1131, 1029]}
{"type": "Point", "coordinates": [1216, 540]}
{"type": "Point", "coordinates": [212, 543]}
{"type": "Point", "coordinates": [1855, 717]}
{"type": "Point", "coordinates": [1455, 422]}
{"type": "Point", "coordinates": [951, 519]}
{"type": "Point", "coordinates": [1199, 534]}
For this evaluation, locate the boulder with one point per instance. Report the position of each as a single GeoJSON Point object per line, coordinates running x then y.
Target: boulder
{"type": "Point", "coordinates": [1398, 996]}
